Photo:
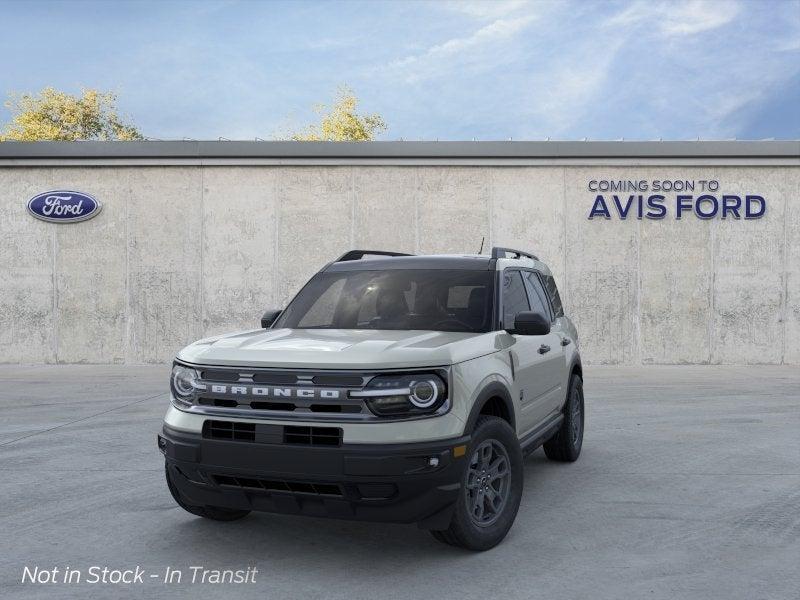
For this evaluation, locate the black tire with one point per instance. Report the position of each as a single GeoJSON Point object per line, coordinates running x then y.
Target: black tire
{"type": "Point", "coordinates": [216, 513]}
{"type": "Point", "coordinates": [495, 437]}
{"type": "Point", "coordinates": [565, 445]}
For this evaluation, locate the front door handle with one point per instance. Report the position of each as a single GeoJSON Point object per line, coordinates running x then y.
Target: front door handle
{"type": "Point", "coordinates": [544, 348]}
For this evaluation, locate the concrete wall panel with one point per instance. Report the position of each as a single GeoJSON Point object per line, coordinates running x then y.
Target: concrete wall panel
{"type": "Point", "coordinates": [791, 309]}
{"type": "Point", "coordinates": [91, 278]}
{"type": "Point", "coordinates": [676, 272]}
{"type": "Point", "coordinates": [385, 211]}
{"type": "Point", "coordinates": [27, 299]}
{"type": "Point", "coordinates": [675, 304]}
{"type": "Point", "coordinates": [453, 209]}
{"type": "Point", "coordinates": [602, 282]}
{"type": "Point", "coordinates": [164, 247]}
{"type": "Point", "coordinates": [238, 247]}
{"type": "Point", "coordinates": [315, 223]}
{"type": "Point", "coordinates": [528, 213]}
{"type": "Point", "coordinates": [791, 353]}
{"type": "Point", "coordinates": [749, 271]}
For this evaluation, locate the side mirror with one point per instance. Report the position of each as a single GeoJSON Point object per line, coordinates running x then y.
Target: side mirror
{"type": "Point", "coordinates": [269, 318]}
{"type": "Point", "coordinates": [531, 323]}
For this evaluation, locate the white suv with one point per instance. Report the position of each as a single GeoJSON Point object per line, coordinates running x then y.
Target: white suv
{"type": "Point", "coordinates": [392, 388]}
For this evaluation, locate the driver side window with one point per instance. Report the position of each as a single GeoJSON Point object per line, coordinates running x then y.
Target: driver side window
{"type": "Point", "coordinates": [515, 300]}
{"type": "Point", "coordinates": [536, 295]}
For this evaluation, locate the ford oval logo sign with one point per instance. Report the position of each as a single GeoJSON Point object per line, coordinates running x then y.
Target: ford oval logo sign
{"type": "Point", "coordinates": [63, 206]}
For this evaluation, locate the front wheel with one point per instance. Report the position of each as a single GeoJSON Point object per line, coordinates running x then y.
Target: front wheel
{"type": "Point", "coordinates": [565, 445]}
{"type": "Point", "coordinates": [215, 513]}
{"type": "Point", "coordinates": [491, 489]}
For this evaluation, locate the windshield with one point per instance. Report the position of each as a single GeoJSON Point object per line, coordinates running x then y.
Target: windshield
{"type": "Point", "coordinates": [436, 300]}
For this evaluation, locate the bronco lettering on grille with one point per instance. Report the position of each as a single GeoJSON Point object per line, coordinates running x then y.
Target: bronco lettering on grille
{"type": "Point", "coordinates": [274, 392]}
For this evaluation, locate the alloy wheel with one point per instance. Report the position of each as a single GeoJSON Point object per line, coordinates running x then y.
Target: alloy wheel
{"type": "Point", "coordinates": [488, 484]}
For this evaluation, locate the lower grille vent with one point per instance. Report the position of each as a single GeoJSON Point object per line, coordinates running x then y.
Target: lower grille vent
{"type": "Point", "coordinates": [335, 408]}
{"type": "Point", "coordinates": [272, 434]}
{"type": "Point", "coordinates": [230, 430]}
{"type": "Point", "coordinates": [295, 487]}
{"type": "Point", "coordinates": [312, 436]}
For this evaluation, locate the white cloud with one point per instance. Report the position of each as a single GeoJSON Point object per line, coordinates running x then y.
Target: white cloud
{"type": "Point", "coordinates": [474, 50]}
{"type": "Point", "coordinates": [329, 43]}
{"type": "Point", "coordinates": [678, 18]}
{"type": "Point", "coordinates": [646, 69]}
{"type": "Point", "coordinates": [563, 91]}
{"type": "Point", "coordinates": [696, 16]}
{"type": "Point", "coordinates": [482, 45]}
{"type": "Point", "coordinates": [498, 30]}
{"type": "Point", "coordinates": [486, 9]}
{"type": "Point", "coordinates": [720, 80]}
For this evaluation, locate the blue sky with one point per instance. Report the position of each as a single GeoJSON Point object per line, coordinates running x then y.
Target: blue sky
{"type": "Point", "coordinates": [435, 70]}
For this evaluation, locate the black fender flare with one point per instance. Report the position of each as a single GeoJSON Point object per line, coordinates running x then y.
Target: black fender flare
{"type": "Point", "coordinates": [576, 366]}
{"type": "Point", "coordinates": [494, 389]}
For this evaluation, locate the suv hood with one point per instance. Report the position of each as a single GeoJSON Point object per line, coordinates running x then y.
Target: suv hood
{"type": "Point", "coordinates": [339, 348]}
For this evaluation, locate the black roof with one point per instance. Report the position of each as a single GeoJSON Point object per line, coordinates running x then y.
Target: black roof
{"type": "Point", "coordinates": [443, 261]}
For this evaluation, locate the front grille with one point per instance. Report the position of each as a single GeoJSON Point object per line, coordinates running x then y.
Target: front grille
{"type": "Point", "coordinates": [338, 380]}
{"type": "Point", "coordinates": [283, 406]}
{"type": "Point", "coordinates": [275, 378]}
{"type": "Point", "coordinates": [312, 436]}
{"type": "Point", "coordinates": [322, 396]}
{"type": "Point", "coordinates": [273, 485]}
{"type": "Point", "coordinates": [219, 375]}
{"type": "Point", "coordinates": [331, 407]}
{"type": "Point", "coordinates": [325, 395]}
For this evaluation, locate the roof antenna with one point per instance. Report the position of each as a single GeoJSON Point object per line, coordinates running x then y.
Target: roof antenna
{"type": "Point", "coordinates": [483, 239]}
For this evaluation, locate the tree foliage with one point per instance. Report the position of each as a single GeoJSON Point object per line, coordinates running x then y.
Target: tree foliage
{"type": "Point", "coordinates": [55, 115]}
{"type": "Point", "coordinates": [341, 123]}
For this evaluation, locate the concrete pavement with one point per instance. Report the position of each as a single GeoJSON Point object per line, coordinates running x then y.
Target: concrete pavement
{"type": "Point", "coordinates": [688, 487]}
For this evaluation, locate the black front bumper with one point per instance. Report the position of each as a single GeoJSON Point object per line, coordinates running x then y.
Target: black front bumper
{"type": "Point", "coordinates": [395, 483]}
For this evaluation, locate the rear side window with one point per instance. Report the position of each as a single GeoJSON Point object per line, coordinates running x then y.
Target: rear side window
{"type": "Point", "coordinates": [515, 300]}
{"type": "Point", "coordinates": [555, 298]}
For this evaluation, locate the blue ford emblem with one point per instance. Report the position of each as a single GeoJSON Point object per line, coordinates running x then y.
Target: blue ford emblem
{"type": "Point", "coordinates": [63, 206]}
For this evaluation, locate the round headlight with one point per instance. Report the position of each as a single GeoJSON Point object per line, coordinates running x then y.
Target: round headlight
{"type": "Point", "coordinates": [423, 393]}
{"type": "Point", "coordinates": [183, 379]}
{"type": "Point", "coordinates": [404, 394]}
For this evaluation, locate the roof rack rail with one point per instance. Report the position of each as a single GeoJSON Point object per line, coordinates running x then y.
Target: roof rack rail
{"type": "Point", "coordinates": [499, 252]}
{"type": "Point", "coordinates": [359, 254]}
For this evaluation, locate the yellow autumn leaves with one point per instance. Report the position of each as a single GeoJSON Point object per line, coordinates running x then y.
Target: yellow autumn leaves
{"type": "Point", "coordinates": [92, 115]}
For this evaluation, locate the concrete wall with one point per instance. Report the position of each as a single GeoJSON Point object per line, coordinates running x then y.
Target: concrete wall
{"type": "Point", "coordinates": [180, 252]}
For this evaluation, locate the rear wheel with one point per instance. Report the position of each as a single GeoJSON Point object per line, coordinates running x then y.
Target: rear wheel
{"type": "Point", "coordinates": [491, 489]}
{"type": "Point", "coordinates": [565, 445]}
{"type": "Point", "coordinates": [215, 513]}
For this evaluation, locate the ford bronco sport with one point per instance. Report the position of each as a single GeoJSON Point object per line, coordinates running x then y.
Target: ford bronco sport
{"type": "Point", "coordinates": [392, 388]}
